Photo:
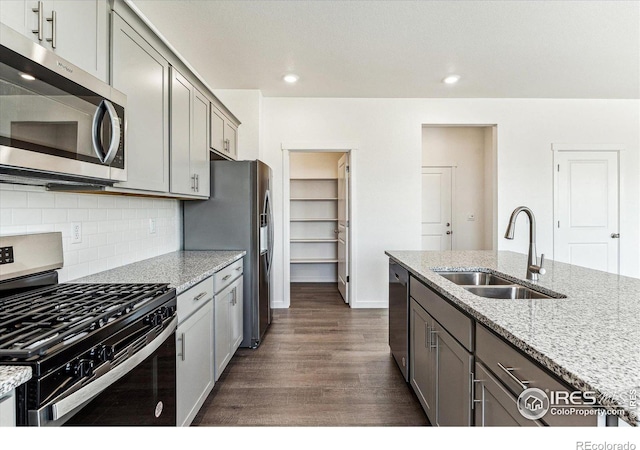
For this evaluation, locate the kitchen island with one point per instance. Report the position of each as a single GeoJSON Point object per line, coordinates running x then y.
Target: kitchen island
{"type": "Point", "coordinates": [590, 339]}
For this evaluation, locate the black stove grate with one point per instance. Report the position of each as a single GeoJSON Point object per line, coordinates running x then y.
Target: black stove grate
{"type": "Point", "coordinates": [33, 323]}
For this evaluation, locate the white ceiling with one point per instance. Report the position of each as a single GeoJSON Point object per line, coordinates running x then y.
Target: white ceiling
{"type": "Point", "coordinates": [538, 49]}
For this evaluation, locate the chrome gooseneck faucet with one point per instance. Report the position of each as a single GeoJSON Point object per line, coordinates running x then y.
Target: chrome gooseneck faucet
{"type": "Point", "coordinates": [533, 269]}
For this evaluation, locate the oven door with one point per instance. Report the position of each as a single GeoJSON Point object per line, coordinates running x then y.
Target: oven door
{"type": "Point", "coordinates": [139, 391]}
{"type": "Point", "coordinates": [56, 118]}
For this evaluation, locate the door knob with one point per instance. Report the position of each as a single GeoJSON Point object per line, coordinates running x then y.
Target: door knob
{"type": "Point", "coordinates": [448, 224]}
{"type": "Point", "coordinates": [448, 232]}
{"type": "Point", "coordinates": [615, 235]}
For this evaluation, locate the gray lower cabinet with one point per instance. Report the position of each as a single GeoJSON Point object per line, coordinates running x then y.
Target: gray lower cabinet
{"type": "Point", "coordinates": [228, 323]}
{"type": "Point", "coordinates": [194, 350]}
{"type": "Point", "coordinates": [495, 405]}
{"type": "Point", "coordinates": [441, 374]}
{"type": "Point", "coordinates": [8, 409]}
{"type": "Point", "coordinates": [134, 62]}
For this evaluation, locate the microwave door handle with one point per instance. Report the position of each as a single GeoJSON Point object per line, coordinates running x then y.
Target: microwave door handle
{"type": "Point", "coordinates": [95, 131]}
{"type": "Point", "coordinates": [115, 132]}
{"type": "Point", "coordinates": [106, 107]}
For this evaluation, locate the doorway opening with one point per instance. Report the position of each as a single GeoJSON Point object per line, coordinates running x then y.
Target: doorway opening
{"type": "Point", "coordinates": [459, 195]}
{"type": "Point", "coordinates": [317, 223]}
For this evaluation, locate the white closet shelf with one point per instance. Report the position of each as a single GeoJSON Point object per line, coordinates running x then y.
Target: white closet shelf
{"type": "Point", "coordinates": [308, 199]}
{"type": "Point", "coordinates": [313, 261]}
{"type": "Point", "coordinates": [304, 219]}
{"type": "Point", "coordinates": [322, 241]}
{"type": "Point", "coordinates": [313, 179]}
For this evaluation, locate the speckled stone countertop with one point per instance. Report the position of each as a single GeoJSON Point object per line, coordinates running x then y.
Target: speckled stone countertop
{"type": "Point", "coordinates": [13, 376]}
{"type": "Point", "coordinates": [181, 269]}
{"type": "Point", "coordinates": [591, 339]}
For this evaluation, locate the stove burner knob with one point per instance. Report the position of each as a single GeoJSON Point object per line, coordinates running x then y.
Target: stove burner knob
{"type": "Point", "coordinates": [83, 368]}
{"type": "Point", "coordinates": [153, 319]}
{"type": "Point", "coordinates": [102, 353]}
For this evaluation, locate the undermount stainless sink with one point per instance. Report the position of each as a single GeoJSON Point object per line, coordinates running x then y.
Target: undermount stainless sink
{"type": "Point", "coordinates": [507, 292]}
{"type": "Point", "coordinates": [474, 278]}
{"type": "Point", "coordinates": [489, 285]}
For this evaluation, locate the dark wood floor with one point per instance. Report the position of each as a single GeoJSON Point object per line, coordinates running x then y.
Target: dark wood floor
{"type": "Point", "coordinates": [320, 364]}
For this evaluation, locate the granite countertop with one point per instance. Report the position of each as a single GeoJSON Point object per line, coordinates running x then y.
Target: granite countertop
{"type": "Point", "coordinates": [13, 376]}
{"type": "Point", "coordinates": [182, 269]}
{"type": "Point", "coordinates": [591, 339]}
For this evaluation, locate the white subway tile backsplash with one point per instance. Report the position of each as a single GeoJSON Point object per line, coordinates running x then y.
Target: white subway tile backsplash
{"type": "Point", "coordinates": [24, 216]}
{"type": "Point", "coordinates": [115, 230]}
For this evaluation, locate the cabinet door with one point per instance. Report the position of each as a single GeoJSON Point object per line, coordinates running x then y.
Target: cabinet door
{"type": "Point", "coordinates": [222, 330]}
{"type": "Point", "coordinates": [17, 14]}
{"type": "Point", "coordinates": [231, 138]}
{"type": "Point", "coordinates": [81, 34]}
{"type": "Point", "coordinates": [495, 405]}
{"type": "Point", "coordinates": [194, 363]}
{"type": "Point", "coordinates": [236, 314]}
{"type": "Point", "coordinates": [453, 379]}
{"type": "Point", "coordinates": [422, 359]}
{"type": "Point", "coordinates": [134, 63]}
{"type": "Point", "coordinates": [216, 141]}
{"type": "Point", "coordinates": [182, 181]}
{"type": "Point", "coordinates": [199, 152]}
{"type": "Point", "coordinates": [8, 410]}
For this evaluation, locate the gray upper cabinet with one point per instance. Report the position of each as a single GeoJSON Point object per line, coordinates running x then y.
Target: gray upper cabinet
{"type": "Point", "coordinates": [133, 63]}
{"type": "Point", "coordinates": [224, 133]}
{"type": "Point", "coordinates": [189, 152]}
{"type": "Point", "coordinates": [76, 30]}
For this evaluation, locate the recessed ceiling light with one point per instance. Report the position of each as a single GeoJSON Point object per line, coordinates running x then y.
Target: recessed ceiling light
{"type": "Point", "coordinates": [291, 78]}
{"type": "Point", "coordinates": [26, 76]}
{"type": "Point", "coordinates": [451, 79]}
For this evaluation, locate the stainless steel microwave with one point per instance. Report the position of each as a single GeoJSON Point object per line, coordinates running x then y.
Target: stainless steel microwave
{"type": "Point", "coordinates": [57, 122]}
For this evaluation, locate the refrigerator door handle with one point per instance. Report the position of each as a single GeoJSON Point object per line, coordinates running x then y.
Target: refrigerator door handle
{"type": "Point", "coordinates": [270, 228]}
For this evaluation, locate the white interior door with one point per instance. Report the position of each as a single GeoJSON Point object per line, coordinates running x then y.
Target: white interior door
{"type": "Point", "coordinates": [343, 226]}
{"type": "Point", "coordinates": [587, 217]}
{"type": "Point", "coordinates": [436, 208]}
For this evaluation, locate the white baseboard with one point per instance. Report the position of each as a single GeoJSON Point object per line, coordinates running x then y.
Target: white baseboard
{"type": "Point", "coordinates": [314, 280]}
{"type": "Point", "coordinates": [278, 304]}
{"type": "Point", "coordinates": [371, 305]}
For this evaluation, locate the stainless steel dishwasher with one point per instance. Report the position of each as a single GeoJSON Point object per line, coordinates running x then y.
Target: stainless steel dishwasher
{"type": "Point", "coordinates": [399, 316]}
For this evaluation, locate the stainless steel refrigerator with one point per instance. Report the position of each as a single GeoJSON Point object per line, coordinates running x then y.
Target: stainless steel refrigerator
{"type": "Point", "coordinates": [238, 216]}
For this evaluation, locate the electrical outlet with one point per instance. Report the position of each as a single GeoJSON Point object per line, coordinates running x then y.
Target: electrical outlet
{"type": "Point", "coordinates": [76, 232]}
{"type": "Point", "coordinates": [152, 226]}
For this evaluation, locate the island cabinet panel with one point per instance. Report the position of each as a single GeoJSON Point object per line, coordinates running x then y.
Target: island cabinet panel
{"type": "Point", "coordinates": [494, 405]}
{"type": "Point", "coordinates": [516, 372]}
{"type": "Point", "coordinates": [441, 372]}
{"type": "Point", "coordinates": [8, 409]}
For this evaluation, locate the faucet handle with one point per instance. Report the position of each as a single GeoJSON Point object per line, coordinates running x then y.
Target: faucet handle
{"type": "Point", "coordinates": [539, 269]}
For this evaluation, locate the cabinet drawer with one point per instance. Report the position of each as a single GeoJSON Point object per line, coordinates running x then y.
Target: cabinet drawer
{"type": "Point", "coordinates": [225, 276]}
{"type": "Point", "coordinates": [456, 323]}
{"type": "Point", "coordinates": [509, 365]}
{"type": "Point", "coordinates": [193, 298]}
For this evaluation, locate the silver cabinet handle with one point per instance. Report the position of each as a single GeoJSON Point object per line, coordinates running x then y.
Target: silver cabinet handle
{"type": "Point", "coordinates": [432, 339]}
{"type": "Point", "coordinates": [40, 11]}
{"type": "Point", "coordinates": [54, 28]}
{"type": "Point", "coordinates": [227, 145]}
{"type": "Point", "coordinates": [509, 371]}
{"type": "Point", "coordinates": [427, 335]}
{"type": "Point", "coordinates": [226, 277]}
{"type": "Point", "coordinates": [199, 296]}
{"type": "Point", "coordinates": [233, 297]}
{"type": "Point", "coordinates": [239, 268]}
{"type": "Point", "coordinates": [193, 183]}
{"type": "Point", "coordinates": [106, 107]}
{"type": "Point", "coordinates": [197, 183]}
{"type": "Point", "coordinates": [181, 354]}
{"type": "Point", "coordinates": [474, 400]}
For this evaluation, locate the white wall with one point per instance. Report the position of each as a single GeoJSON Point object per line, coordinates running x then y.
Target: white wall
{"type": "Point", "coordinates": [246, 105]}
{"type": "Point", "coordinates": [463, 148]}
{"type": "Point", "coordinates": [387, 167]}
{"type": "Point", "coordinates": [115, 229]}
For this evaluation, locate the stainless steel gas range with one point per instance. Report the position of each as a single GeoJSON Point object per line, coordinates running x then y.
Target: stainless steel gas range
{"type": "Point", "coordinates": [101, 354]}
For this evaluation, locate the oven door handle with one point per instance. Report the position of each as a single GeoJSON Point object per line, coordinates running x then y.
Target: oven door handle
{"type": "Point", "coordinates": [66, 405]}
